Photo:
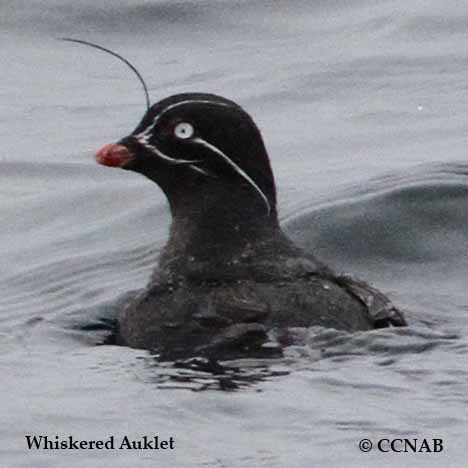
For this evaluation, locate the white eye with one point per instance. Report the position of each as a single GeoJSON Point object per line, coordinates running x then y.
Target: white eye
{"type": "Point", "coordinates": [183, 130]}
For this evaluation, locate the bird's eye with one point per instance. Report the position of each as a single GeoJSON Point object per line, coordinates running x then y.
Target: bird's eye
{"type": "Point", "coordinates": [183, 130]}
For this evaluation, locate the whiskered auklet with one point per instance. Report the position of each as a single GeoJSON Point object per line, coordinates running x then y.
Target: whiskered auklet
{"type": "Point", "coordinates": [228, 274]}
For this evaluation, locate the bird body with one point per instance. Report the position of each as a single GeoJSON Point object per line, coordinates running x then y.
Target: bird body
{"type": "Point", "coordinates": [228, 277]}
{"type": "Point", "coordinates": [217, 306]}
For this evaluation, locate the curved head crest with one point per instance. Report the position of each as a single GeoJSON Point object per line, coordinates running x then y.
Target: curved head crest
{"type": "Point", "coordinates": [183, 131]}
{"type": "Point", "coordinates": [115, 54]}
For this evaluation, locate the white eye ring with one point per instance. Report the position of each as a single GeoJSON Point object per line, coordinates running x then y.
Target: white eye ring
{"type": "Point", "coordinates": [183, 130]}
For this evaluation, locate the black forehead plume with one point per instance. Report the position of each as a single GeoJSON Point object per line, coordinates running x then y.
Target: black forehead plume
{"type": "Point", "coordinates": [120, 57]}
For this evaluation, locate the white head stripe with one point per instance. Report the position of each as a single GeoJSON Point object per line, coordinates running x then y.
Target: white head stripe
{"type": "Point", "coordinates": [147, 130]}
{"type": "Point", "coordinates": [165, 157]}
{"type": "Point", "coordinates": [240, 171]}
{"type": "Point", "coordinates": [201, 171]}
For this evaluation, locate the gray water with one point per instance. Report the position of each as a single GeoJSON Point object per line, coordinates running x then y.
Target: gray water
{"type": "Point", "coordinates": [364, 109]}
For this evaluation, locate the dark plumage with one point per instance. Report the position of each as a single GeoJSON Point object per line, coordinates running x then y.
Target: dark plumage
{"type": "Point", "coordinates": [228, 274]}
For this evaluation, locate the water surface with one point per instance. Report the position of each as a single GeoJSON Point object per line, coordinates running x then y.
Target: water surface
{"type": "Point", "coordinates": [363, 106]}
